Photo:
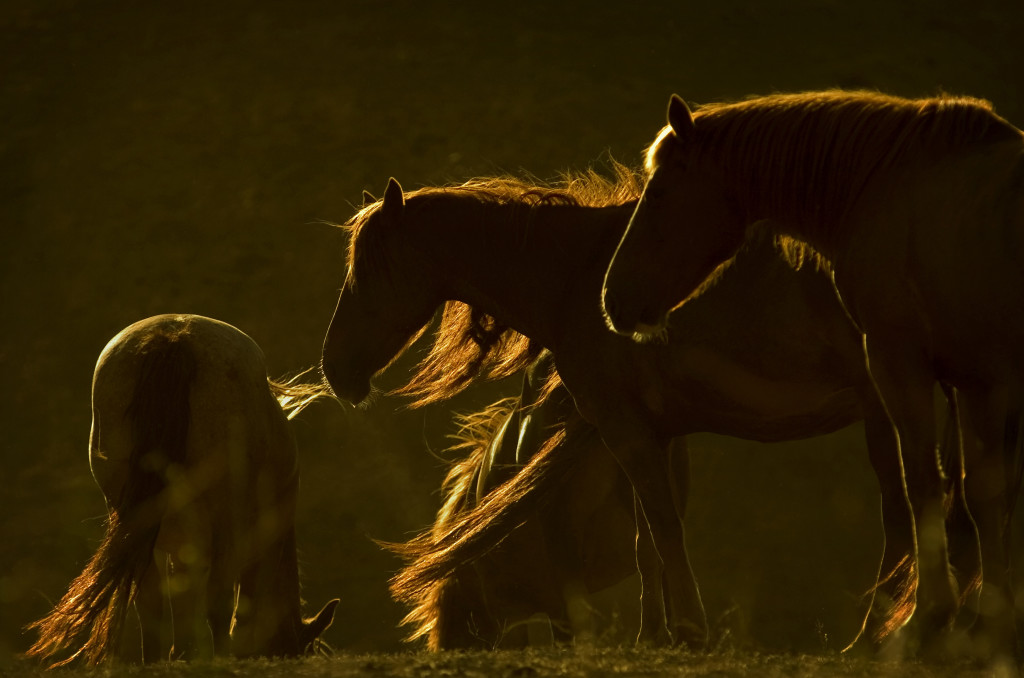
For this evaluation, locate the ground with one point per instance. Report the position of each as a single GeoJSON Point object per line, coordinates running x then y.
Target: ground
{"type": "Point", "coordinates": [186, 157]}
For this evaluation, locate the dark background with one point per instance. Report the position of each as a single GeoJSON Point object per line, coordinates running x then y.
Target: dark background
{"type": "Point", "coordinates": [181, 157]}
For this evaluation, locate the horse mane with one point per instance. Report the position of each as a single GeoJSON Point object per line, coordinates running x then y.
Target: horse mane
{"type": "Point", "coordinates": [470, 344]}
{"type": "Point", "coordinates": [436, 555]}
{"type": "Point", "coordinates": [811, 154]}
{"type": "Point", "coordinates": [295, 393]}
{"type": "Point", "coordinates": [474, 437]}
{"type": "Point", "coordinates": [461, 524]}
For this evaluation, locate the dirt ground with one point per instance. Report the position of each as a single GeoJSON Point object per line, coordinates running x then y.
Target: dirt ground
{"type": "Point", "coordinates": [183, 157]}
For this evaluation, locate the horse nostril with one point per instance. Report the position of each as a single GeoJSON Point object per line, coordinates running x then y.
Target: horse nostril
{"type": "Point", "coordinates": [650, 318]}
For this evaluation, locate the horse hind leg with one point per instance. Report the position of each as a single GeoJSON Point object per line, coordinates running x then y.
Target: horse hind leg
{"type": "Point", "coordinates": [990, 484]}
{"type": "Point", "coordinates": [892, 600]}
{"type": "Point", "coordinates": [150, 606]}
{"type": "Point", "coordinates": [188, 579]}
{"type": "Point", "coordinates": [964, 541]}
{"type": "Point", "coordinates": [905, 383]}
{"type": "Point", "coordinates": [221, 598]}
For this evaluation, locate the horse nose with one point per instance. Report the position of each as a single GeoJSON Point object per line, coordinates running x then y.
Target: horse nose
{"type": "Point", "coordinates": [651, 318]}
{"type": "Point", "coordinates": [330, 375]}
{"type": "Point", "coordinates": [611, 311]}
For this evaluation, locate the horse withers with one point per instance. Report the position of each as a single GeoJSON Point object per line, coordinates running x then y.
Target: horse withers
{"type": "Point", "coordinates": [191, 448]}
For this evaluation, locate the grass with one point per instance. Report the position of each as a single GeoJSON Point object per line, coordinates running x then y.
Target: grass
{"type": "Point", "coordinates": [569, 663]}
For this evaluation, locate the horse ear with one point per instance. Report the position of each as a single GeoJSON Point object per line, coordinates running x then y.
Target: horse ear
{"type": "Point", "coordinates": [316, 625]}
{"type": "Point", "coordinates": [680, 119]}
{"type": "Point", "coordinates": [368, 198]}
{"type": "Point", "coordinates": [393, 199]}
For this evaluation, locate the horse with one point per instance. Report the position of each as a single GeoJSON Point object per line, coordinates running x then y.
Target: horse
{"type": "Point", "coordinates": [191, 448]}
{"type": "Point", "coordinates": [577, 539]}
{"type": "Point", "coordinates": [915, 209]}
{"type": "Point", "coordinates": [767, 354]}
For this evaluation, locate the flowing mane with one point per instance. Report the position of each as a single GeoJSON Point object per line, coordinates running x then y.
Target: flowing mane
{"type": "Point", "coordinates": [464, 530]}
{"type": "Point", "coordinates": [811, 154]}
{"type": "Point", "coordinates": [470, 343]}
{"type": "Point", "coordinates": [474, 438]}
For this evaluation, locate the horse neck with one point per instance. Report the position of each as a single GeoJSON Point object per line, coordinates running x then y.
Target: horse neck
{"type": "Point", "coordinates": [520, 263]}
{"type": "Point", "coordinates": [802, 189]}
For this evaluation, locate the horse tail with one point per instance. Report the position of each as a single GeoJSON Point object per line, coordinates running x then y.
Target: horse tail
{"type": "Point", "coordinates": [472, 533]}
{"type": "Point", "coordinates": [91, 614]}
{"type": "Point", "coordinates": [469, 344]}
{"type": "Point", "coordinates": [295, 394]}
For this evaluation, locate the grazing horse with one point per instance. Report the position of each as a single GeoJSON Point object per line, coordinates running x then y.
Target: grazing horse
{"type": "Point", "coordinates": [191, 447]}
{"type": "Point", "coordinates": [577, 537]}
{"type": "Point", "coordinates": [916, 209]}
{"type": "Point", "coordinates": [767, 354]}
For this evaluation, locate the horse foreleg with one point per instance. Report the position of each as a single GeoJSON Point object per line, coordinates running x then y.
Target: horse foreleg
{"type": "Point", "coordinates": [645, 462]}
{"type": "Point", "coordinates": [653, 622]}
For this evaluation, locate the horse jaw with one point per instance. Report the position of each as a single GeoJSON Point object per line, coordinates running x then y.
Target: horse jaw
{"type": "Point", "coordinates": [346, 384]}
{"type": "Point", "coordinates": [645, 327]}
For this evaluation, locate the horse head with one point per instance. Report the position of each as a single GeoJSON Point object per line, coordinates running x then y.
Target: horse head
{"type": "Point", "coordinates": [278, 630]}
{"type": "Point", "coordinates": [382, 306]}
{"type": "Point", "coordinates": [684, 227]}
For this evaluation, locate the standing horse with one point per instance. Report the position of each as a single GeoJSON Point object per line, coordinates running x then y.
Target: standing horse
{"type": "Point", "coordinates": [191, 448]}
{"type": "Point", "coordinates": [577, 537]}
{"type": "Point", "coordinates": [916, 208]}
{"type": "Point", "coordinates": [767, 354]}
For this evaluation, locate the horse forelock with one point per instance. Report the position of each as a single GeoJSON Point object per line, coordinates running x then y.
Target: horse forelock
{"type": "Point", "coordinates": [809, 155]}
{"type": "Point", "coordinates": [655, 153]}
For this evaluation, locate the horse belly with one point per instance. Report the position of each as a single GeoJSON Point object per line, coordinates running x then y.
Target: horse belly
{"type": "Point", "coordinates": [725, 397]}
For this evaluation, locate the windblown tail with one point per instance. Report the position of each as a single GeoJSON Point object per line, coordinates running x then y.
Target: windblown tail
{"type": "Point", "coordinates": [473, 533]}
{"type": "Point", "coordinates": [88, 619]}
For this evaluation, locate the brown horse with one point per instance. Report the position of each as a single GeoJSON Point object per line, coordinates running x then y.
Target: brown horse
{"type": "Point", "coordinates": [191, 448]}
{"type": "Point", "coordinates": [577, 536]}
{"type": "Point", "coordinates": [767, 354]}
{"type": "Point", "coordinates": [916, 207]}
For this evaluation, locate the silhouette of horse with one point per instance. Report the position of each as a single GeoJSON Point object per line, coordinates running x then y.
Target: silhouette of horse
{"type": "Point", "coordinates": [916, 208]}
{"type": "Point", "coordinates": [577, 538]}
{"type": "Point", "coordinates": [768, 354]}
{"type": "Point", "coordinates": [191, 448]}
